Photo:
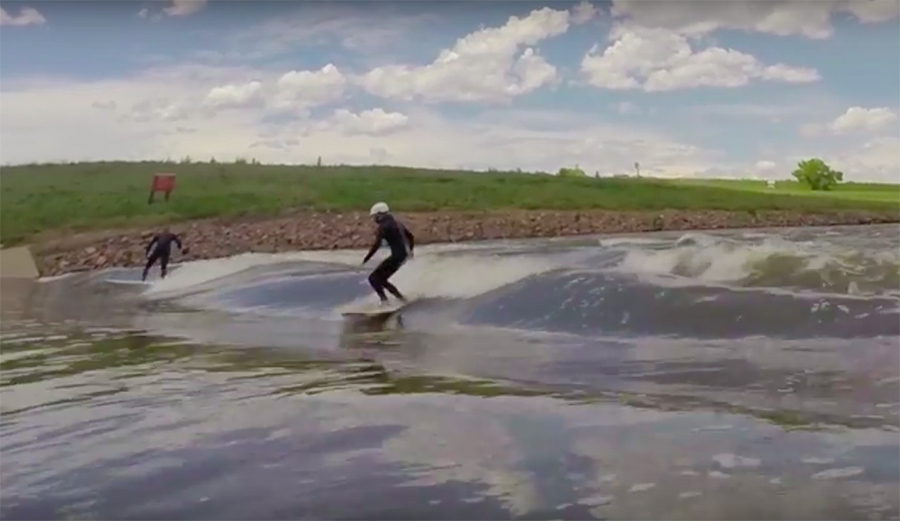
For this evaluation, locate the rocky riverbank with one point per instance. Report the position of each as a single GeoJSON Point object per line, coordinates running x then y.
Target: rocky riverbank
{"type": "Point", "coordinates": [225, 237]}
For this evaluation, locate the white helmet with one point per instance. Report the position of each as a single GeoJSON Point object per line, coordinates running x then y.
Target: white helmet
{"type": "Point", "coordinates": [379, 207]}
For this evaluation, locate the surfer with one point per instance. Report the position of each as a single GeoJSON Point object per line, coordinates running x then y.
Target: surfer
{"type": "Point", "coordinates": [162, 249]}
{"type": "Point", "coordinates": [401, 242]}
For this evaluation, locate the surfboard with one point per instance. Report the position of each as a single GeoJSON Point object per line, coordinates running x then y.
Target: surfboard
{"type": "Point", "coordinates": [375, 310]}
{"type": "Point", "coordinates": [129, 282]}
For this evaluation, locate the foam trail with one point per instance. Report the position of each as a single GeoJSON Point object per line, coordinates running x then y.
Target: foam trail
{"type": "Point", "coordinates": [195, 273]}
{"type": "Point", "coordinates": [612, 242]}
{"type": "Point", "coordinates": [463, 276]}
{"type": "Point", "coordinates": [53, 278]}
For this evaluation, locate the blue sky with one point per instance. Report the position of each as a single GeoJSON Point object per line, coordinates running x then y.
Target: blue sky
{"type": "Point", "coordinates": [687, 88]}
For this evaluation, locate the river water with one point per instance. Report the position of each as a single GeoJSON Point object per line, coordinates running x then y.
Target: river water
{"type": "Point", "coordinates": [728, 375]}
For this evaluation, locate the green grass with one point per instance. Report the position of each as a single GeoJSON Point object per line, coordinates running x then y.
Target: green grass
{"type": "Point", "coordinates": [852, 191]}
{"type": "Point", "coordinates": [84, 196]}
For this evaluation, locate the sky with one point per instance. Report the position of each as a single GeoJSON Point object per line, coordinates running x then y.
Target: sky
{"type": "Point", "coordinates": [694, 88]}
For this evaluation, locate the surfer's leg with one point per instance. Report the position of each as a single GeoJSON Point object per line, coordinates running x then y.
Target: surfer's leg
{"type": "Point", "coordinates": [394, 291]}
{"type": "Point", "coordinates": [377, 283]}
{"type": "Point", "coordinates": [164, 264]}
{"type": "Point", "coordinates": [391, 266]}
{"type": "Point", "coordinates": [150, 261]}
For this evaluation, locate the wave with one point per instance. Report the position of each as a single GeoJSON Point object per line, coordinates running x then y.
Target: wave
{"type": "Point", "coordinates": [192, 275]}
{"type": "Point", "coordinates": [772, 262]}
{"type": "Point", "coordinates": [595, 303]}
{"type": "Point", "coordinates": [754, 261]}
{"type": "Point", "coordinates": [692, 284]}
{"type": "Point", "coordinates": [538, 294]}
{"type": "Point", "coordinates": [273, 283]}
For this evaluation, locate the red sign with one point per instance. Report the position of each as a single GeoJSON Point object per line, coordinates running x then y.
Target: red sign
{"type": "Point", "coordinates": [162, 183]}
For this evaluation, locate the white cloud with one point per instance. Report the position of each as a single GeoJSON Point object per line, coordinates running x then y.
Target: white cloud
{"type": "Point", "coordinates": [368, 30]}
{"type": "Point", "coordinates": [52, 121]}
{"type": "Point", "coordinates": [583, 13]}
{"type": "Point", "coordinates": [874, 160]}
{"type": "Point", "coordinates": [158, 109]}
{"type": "Point", "coordinates": [174, 8]}
{"type": "Point", "coordinates": [487, 65]}
{"type": "Point", "coordinates": [661, 60]}
{"type": "Point", "coordinates": [104, 105]}
{"type": "Point", "coordinates": [864, 143]}
{"type": "Point", "coordinates": [235, 96]}
{"type": "Point", "coordinates": [811, 19]}
{"type": "Point", "coordinates": [878, 159]}
{"type": "Point", "coordinates": [811, 130]}
{"type": "Point", "coordinates": [765, 166]}
{"type": "Point", "coordinates": [874, 11]}
{"type": "Point", "coordinates": [627, 107]}
{"type": "Point", "coordinates": [511, 139]}
{"type": "Point", "coordinates": [300, 90]}
{"type": "Point", "coordinates": [128, 118]}
{"type": "Point", "coordinates": [786, 73]}
{"type": "Point", "coordinates": [159, 115]}
{"type": "Point", "coordinates": [371, 122]}
{"type": "Point", "coordinates": [184, 7]}
{"type": "Point", "coordinates": [27, 16]}
{"type": "Point", "coordinates": [761, 170]}
{"type": "Point", "coordinates": [204, 91]}
{"type": "Point", "coordinates": [177, 111]}
{"type": "Point", "coordinates": [806, 106]}
{"type": "Point", "coordinates": [858, 119]}
{"type": "Point", "coordinates": [855, 120]}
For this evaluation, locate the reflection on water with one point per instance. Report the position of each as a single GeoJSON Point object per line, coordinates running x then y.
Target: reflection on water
{"type": "Point", "coordinates": [115, 424]}
{"type": "Point", "coordinates": [574, 386]}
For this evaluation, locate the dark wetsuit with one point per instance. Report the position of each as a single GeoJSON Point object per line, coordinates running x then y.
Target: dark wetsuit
{"type": "Point", "coordinates": [401, 242]}
{"type": "Point", "coordinates": [163, 248]}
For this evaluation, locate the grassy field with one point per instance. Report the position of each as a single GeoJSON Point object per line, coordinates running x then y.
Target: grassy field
{"type": "Point", "coordinates": [854, 191]}
{"type": "Point", "coordinates": [83, 196]}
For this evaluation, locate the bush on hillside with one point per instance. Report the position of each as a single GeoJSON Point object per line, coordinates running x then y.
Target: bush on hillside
{"type": "Point", "coordinates": [817, 174]}
{"type": "Point", "coordinates": [571, 172]}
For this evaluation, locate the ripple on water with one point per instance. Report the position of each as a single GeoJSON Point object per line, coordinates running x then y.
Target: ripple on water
{"type": "Point", "coordinates": [264, 419]}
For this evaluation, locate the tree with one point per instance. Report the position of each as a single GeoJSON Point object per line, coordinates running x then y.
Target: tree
{"type": "Point", "coordinates": [572, 172]}
{"type": "Point", "coordinates": [817, 174]}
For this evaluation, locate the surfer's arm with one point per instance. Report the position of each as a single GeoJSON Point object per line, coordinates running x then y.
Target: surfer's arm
{"type": "Point", "coordinates": [409, 238]}
{"type": "Point", "coordinates": [151, 243]}
{"type": "Point", "coordinates": [374, 247]}
{"type": "Point", "coordinates": [177, 242]}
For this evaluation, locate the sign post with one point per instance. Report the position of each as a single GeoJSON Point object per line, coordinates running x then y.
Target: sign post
{"type": "Point", "coordinates": [162, 183]}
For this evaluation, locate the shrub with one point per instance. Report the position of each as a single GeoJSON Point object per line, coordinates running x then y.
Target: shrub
{"type": "Point", "coordinates": [571, 172]}
{"type": "Point", "coordinates": [817, 174]}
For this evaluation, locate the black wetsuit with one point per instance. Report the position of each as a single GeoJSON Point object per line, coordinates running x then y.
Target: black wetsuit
{"type": "Point", "coordinates": [163, 248]}
{"type": "Point", "coordinates": [401, 242]}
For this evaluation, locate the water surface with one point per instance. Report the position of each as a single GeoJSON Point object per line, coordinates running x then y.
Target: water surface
{"type": "Point", "coordinates": [732, 375]}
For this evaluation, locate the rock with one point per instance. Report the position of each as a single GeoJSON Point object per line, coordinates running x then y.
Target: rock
{"type": "Point", "coordinates": [220, 237]}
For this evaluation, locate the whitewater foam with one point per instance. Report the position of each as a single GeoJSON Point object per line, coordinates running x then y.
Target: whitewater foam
{"type": "Point", "coordinates": [463, 270]}
{"type": "Point", "coordinates": [428, 274]}
{"type": "Point", "coordinates": [612, 242]}
{"type": "Point", "coordinates": [468, 275]}
{"type": "Point", "coordinates": [462, 276]}
{"type": "Point", "coordinates": [195, 273]}
{"type": "Point", "coordinates": [53, 278]}
{"type": "Point", "coordinates": [771, 262]}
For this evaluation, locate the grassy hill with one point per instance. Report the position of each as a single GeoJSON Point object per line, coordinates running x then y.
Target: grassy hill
{"type": "Point", "coordinates": [83, 196]}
